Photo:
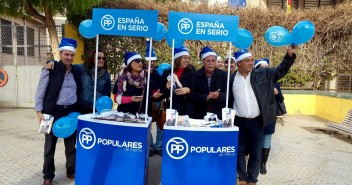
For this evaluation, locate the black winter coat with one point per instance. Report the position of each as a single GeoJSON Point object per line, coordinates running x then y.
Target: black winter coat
{"type": "Point", "coordinates": [200, 91]}
{"type": "Point", "coordinates": [262, 81]}
{"type": "Point", "coordinates": [270, 129]}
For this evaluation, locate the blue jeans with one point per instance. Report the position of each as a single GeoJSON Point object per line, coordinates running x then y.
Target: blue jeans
{"type": "Point", "coordinates": [158, 145]}
{"type": "Point", "coordinates": [267, 140]}
{"type": "Point", "coordinates": [251, 134]}
{"type": "Point", "coordinates": [159, 140]}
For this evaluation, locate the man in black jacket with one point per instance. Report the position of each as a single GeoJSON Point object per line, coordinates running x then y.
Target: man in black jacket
{"type": "Point", "coordinates": [253, 99]}
{"type": "Point", "coordinates": [57, 95]}
{"type": "Point", "coordinates": [208, 86]}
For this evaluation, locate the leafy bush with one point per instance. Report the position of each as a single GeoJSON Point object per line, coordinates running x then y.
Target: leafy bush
{"type": "Point", "coordinates": [317, 62]}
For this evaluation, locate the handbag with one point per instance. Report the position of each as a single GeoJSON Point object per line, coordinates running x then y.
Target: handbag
{"type": "Point", "coordinates": [155, 112]}
{"type": "Point", "coordinates": [162, 115]}
{"type": "Point", "coordinates": [280, 108]}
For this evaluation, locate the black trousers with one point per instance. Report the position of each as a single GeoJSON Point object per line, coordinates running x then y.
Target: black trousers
{"type": "Point", "coordinates": [50, 146]}
{"type": "Point", "coordinates": [250, 138]}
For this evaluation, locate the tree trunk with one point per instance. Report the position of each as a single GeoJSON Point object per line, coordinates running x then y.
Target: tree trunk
{"type": "Point", "coordinates": [50, 24]}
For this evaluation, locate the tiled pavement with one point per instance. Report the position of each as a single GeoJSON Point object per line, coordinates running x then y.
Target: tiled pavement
{"type": "Point", "coordinates": [300, 154]}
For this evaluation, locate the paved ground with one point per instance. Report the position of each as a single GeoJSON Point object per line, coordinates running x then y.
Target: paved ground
{"type": "Point", "coordinates": [302, 153]}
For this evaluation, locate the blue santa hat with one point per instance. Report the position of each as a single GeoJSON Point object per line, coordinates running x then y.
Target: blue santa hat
{"type": "Point", "coordinates": [152, 56]}
{"type": "Point", "coordinates": [181, 51]}
{"type": "Point", "coordinates": [130, 56]}
{"type": "Point", "coordinates": [242, 54]}
{"type": "Point", "coordinates": [261, 61]}
{"type": "Point", "coordinates": [232, 57]}
{"type": "Point", "coordinates": [68, 44]}
{"type": "Point", "coordinates": [207, 51]}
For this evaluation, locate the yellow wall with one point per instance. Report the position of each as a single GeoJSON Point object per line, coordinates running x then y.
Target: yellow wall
{"type": "Point", "coordinates": [330, 108]}
{"type": "Point", "coordinates": [300, 104]}
{"type": "Point", "coordinates": [71, 32]}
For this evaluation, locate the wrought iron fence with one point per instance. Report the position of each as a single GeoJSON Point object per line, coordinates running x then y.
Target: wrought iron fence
{"type": "Point", "coordinates": [23, 44]}
{"type": "Point", "coordinates": [344, 83]}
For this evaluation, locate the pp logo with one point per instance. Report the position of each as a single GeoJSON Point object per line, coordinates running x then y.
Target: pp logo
{"type": "Point", "coordinates": [177, 148]}
{"type": "Point", "coordinates": [185, 26]}
{"type": "Point", "coordinates": [107, 22]}
{"type": "Point", "coordinates": [87, 138]}
{"type": "Point", "coordinates": [275, 37]}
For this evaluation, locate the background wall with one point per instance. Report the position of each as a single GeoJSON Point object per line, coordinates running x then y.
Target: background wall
{"type": "Point", "coordinates": [330, 108]}
{"type": "Point", "coordinates": [21, 86]}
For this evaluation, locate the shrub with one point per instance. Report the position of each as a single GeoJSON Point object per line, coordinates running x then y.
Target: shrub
{"type": "Point", "coordinates": [317, 62]}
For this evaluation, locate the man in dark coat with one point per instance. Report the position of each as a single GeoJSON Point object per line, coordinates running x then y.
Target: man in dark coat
{"type": "Point", "coordinates": [57, 95]}
{"type": "Point", "coordinates": [253, 99]}
{"type": "Point", "coordinates": [208, 87]}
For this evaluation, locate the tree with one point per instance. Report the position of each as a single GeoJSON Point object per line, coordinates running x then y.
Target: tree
{"type": "Point", "coordinates": [44, 10]}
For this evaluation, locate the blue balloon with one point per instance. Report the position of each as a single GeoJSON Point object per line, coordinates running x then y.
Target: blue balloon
{"type": "Point", "coordinates": [162, 67]}
{"type": "Point", "coordinates": [160, 32]}
{"type": "Point", "coordinates": [244, 39]}
{"type": "Point", "coordinates": [74, 115]}
{"type": "Point", "coordinates": [278, 36]}
{"type": "Point", "coordinates": [86, 30]}
{"type": "Point", "coordinates": [178, 42]}
{"type": "Point", "coordinates": [302, 32]}
{"type": "Point", "coordinates": [103, 103]}
{"type": "Point", "coordinates": [64, 127]}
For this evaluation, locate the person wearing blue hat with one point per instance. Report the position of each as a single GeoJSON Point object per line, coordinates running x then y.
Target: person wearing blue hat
{"type": "Point", "coordinates": [183, 70]}
{"type": "Point", "coordinates": [57, 95]}
{"type": "Point", "coordinates": [129, 87]}
{"type": "Point", "coordinates": [252, 97]}
{"type": "Point", "coordinates": [157, 97]}
{"type": "Point", "coordinates": [209, 86]}
{"type": "Point", "coordinates": [87, 75]}
{"type": "Point", "coordinates": [232, 64]}
{"type": "Point", "coordinates": [261, 63]}
{"type": "Point", "coordinates": [269, 129]}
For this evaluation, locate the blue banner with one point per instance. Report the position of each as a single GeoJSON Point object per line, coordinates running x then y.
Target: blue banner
{"type": "Point", "coordinates": [237, 3]}
{"type": "Point", "coordinates": [199, 157]}
{"type": "Point", "coordinates": [195, 26]}
{"type": "Point", "coordinates": [139, 23]}
{"type": "Point", "coordinates": [111, 153]}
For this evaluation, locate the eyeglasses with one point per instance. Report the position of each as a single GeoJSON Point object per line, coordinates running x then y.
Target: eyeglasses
{"type": "Point", "coordinates": [139, 61]}
{"type": "Point", "coordinates": [99, 58]}
{"type": "Point", "coordinates": [226, 62]}
{"type": "Point", "coordinates": [211, 119]}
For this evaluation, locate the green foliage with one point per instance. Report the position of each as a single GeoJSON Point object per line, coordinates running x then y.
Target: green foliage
{"type": "Point", "coordinates": [7, 8]}
{"type": "Point", "coordinates": [17, 8]}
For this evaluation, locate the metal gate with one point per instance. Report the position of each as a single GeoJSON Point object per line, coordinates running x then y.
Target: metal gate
{"type": "Point", "coordinates": [24, 45]}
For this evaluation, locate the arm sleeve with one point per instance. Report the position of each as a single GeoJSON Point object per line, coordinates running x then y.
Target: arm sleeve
{"type": "Point", "coordinates": [279, 97]}
{"type": "Point", "coordinates": [162, 85]}
{"type": "Point", "coordinates": [107, 87]}
{"type": "Point", "coordinates": [200, 98]}
{"type": "Point", "coordinates": [282, 69]}
{"type": "Point", "coordinates": [40, 94]}
{"type": "Point", "coordinates": [126, 99]}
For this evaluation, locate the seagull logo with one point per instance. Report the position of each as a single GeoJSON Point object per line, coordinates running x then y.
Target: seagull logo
{"type": "Point", "coordinates": [177, 148]}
